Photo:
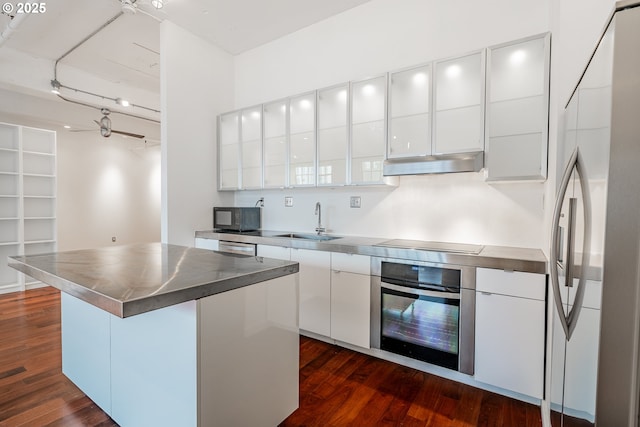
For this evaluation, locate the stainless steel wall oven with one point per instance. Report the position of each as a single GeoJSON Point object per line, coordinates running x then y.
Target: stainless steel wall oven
{"type": "Point", "coordinates": [425, 311]}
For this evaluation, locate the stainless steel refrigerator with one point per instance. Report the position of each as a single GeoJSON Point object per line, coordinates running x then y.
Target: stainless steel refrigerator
{"type": "Point", "coordinates": [595, 253]}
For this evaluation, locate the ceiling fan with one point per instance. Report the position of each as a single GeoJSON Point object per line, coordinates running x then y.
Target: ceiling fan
{"type": "Point", "coordinates": [105, 126]}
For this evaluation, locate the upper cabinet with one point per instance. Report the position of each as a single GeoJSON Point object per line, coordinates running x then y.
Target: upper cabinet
{"type": "Point", "coordinates": [518, 109]}
{"type": "Point", "coordinates": [410, 113]}
{"type": "Point", "coordinates": [368, 112]}
{"type": "Point", "coordinates": [275, 143]}
{"type": "Point", "coordinates": [229, 151]}
{"type": "Point", "coordinates": [333, 135]}
{"type": "Point", "coordinates": [251, 136]}
{"type": "Point", "coordinates": [459, 105]}
{"type": "Point", "coordinates": [486, 108]}
{"type": "Point", "coordinates": [302, 140]}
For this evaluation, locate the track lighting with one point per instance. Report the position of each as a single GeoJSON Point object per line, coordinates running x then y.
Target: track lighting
{"type": "Point", "coordinates": [157, 3]}
{"type": "Point", "coordinates": [128, 7]}
{"type": "Point", "coordinates": [55, 86]}
{"type": "Point", "coordinates": [122, 102]}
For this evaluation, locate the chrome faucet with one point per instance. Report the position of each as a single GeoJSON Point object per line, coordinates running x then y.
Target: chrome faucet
{"type": "Point", "coordinates": [319, 229]}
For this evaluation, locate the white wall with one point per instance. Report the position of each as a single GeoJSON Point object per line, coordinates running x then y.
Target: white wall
{"type": "Point", "coordinates": [381, 36]}
{"type": "Point", "coordinates": [106, 188]}
{"type": "Point", "coordinates": [196, 85]}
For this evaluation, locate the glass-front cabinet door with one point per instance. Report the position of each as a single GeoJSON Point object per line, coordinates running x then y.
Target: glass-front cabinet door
{"type": "Point", "coordinates": [333, 135]}
{"type": "Point", "coordinates": [459, 100]}
{"type": "Point", "coordinates": [409, 113]}
{"type": "Point", "coordinates": [229, 150]}
{"type": "Point", "coordinates": [517, 109]}
{"type": "Point", "coordinates": [251, 135]}
{"type": "Point", "coordinates": [302, 140]}
{"type": "Point", "coordinates": [368, 110]}
{"type": "Point", "coordinates": [275, 116]}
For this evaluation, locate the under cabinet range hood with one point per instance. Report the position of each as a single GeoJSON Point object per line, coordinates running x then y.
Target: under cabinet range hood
{"type": "Point", "coordinates": [445, 163]}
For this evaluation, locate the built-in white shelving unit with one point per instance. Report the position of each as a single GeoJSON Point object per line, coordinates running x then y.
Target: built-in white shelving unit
{"type": "Point", "coordinates": [27, 199]}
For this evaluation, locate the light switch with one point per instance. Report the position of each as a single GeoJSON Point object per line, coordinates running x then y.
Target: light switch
{"type": "Point", "coordinates": [288, 201]}
{"type": "Point", "coordinates": [355, 202]}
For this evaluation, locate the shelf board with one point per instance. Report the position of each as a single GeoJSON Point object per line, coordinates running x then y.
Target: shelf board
{"type": "Point", "coordinates": [9, 219]}
{"type": "Point", "coordinates": [33, 242]}
{"type": "Point", "coordinates": [38, 153]}
{"type": "Point", "coordinates": [9, 173]}
{"type": "Point", "coordinates": [10, 196]}
{"type": "Point", "coordinates": [38, 197]}
{"type": "Point", "coordinates": [38, 217]}
{"type": "Point", "coordinates": [9, 243]}
{"type": "Point", "coordinates": [11, 150]}
{"type": "Point", "coordinates": [39, 175]}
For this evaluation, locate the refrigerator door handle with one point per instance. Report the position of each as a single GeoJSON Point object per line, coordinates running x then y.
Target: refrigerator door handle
{"type": "Point", "coordinates": [569, 320]}
{"type": "Point", "coordinates": [572, 319]}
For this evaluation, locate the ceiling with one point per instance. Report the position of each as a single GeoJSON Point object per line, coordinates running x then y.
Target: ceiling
{"type": "Point", "coordinates": [127, 50]}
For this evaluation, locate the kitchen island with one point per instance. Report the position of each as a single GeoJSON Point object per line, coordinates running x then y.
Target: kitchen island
{"type": "Point", "coordinates": [167, 335]}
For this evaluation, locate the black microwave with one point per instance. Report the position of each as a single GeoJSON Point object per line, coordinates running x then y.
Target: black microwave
{"type": "Point", "coordinates": [236, 219]}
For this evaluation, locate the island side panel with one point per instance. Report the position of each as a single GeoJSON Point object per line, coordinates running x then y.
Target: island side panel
{"type": "Point", "coordinates": [86, 349]}
{"type": "Point", "coordinates": [154, 367]}
{"type": "Point", "coordinates": [249, 355]}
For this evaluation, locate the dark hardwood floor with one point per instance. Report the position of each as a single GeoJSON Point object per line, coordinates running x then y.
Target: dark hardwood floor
{"type": "Point", "coordinates": [33, 391]}
{"type": "Point", "coordinates": [338, 387]}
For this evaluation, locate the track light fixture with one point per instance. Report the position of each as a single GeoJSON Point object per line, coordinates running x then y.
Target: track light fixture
{"type": "Point", "coordinates": [55, 86]}
{"type": "Point", "coordinates": [122, 102]}
{"type": "Point", "coordinates": [158, 4]}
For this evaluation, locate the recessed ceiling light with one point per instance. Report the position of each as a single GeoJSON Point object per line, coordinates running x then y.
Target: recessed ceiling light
{"type": "Point", "coordinates": [122, 102]}
{"type": "Point", "coordinates": [67, 127]}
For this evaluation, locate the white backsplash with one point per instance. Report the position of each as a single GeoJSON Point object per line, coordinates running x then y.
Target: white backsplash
{"type": "Point", "coordinates": [460, 208]}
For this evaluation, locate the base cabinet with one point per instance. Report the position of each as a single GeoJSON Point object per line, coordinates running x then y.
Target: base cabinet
{"type": "Point", "coordinates": [350, 299]}
{"type": "Point", "coordinates": [315, 290]}
{"type": "Point", "coordinates": [211, 244]}
{"type": "Point", "coordinates": [350, 308]}
{"type": "Point", "coordinates": [510, 330]}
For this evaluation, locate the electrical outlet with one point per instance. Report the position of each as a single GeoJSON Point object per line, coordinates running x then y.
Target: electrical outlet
{"type": "Point", "coordinates": [355, 202]}
{"type": "Point", "coordinates": [288, 201]}
{"type": "Point", "coordinates": [113, 239]}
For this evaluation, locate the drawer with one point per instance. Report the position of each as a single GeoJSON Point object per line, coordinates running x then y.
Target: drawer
{"type": "Point", "coordinates": [360, 264]}
{"type": "Point", "coordinates": [513, 283]}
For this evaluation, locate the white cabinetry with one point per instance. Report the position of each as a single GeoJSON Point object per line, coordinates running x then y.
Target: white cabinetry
{"type": "Point", "coordinates": [251, 137]}
{"type": "Point", "coordinates": [302, 140]}
{"type": "Point", "coordinates": [229, 151]}
{"type": "Point", "coordinates": [275, 143]}
{"type": "Point", "coordinates": [350, 298]}
{"type": "Point", "coordinates": [368, 112]}
{"type": "Point", "coordinates": [275, 252]}
{"type": "Point", "coordinates": [210, 244]}
{"type": "Point", "coordinates": [315, 285]}
{"type": "Point", "coordinates": [517, 109]}
{"type": "Point", "coordinates": [459, 104]}
{"type": "Point", "coordinates": [510, 330]}
{"type": "Point", "coordinates": [410, 113]}
{"type": "Point", "coordinates": [27, 198]}
{"type": "Point", "coordinates": [333, 135]}
{"type": "Point", "coordinates": [335, 292]}
{"type": "Point", "coordinates": [315, 290]}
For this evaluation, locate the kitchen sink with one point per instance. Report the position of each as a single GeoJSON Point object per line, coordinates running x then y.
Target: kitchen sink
{"type": "Point", "coordinates": [316, 237]}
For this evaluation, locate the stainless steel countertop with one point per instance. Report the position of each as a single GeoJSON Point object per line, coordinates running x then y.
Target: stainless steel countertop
{"type": "Point", "coordinates": [499, 257]}
{"type": "Point", "coordinates": [132, 279]}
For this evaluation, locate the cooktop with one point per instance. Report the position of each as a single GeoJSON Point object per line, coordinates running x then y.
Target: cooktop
{"type": "Point", "coordinates": [461, 248]}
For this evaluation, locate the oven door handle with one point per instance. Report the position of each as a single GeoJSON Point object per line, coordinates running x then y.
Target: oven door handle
{"type": "Point", "coordinates": [421, 292]}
